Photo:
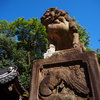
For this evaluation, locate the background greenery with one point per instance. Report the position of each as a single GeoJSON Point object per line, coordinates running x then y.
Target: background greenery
{"type": "Point", "coordinates": [23, 41]}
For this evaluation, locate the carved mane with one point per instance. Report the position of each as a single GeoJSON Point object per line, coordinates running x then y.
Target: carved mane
{"type": "Point", "coordinates": [62, 31]}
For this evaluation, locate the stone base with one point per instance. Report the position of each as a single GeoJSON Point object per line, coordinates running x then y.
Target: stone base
{"type": "Point", "coordinates": [68, 75]}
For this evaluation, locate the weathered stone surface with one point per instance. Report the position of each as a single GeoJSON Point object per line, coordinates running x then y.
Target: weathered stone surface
{"type": "Point", "coordinates": [48, 84]}
{"type": "Point", "coordinates": [62, 31]}
{"type": "Point", "coordinates": [67, 75]}
{"type": "Point", "coordinates": [70, 75]}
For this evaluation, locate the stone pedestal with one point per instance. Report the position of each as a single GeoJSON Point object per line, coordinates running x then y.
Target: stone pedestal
{"type": "Point", "coordinates": [68, 75]}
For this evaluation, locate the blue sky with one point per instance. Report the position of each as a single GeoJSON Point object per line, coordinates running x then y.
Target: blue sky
{"type": "Point", "coordinates": [87, 13]}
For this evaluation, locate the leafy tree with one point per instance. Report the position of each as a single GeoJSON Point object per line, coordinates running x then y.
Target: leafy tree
{"type": "Point", "coordinates": [9, 54]}
{"type": "Point", "coordinates": [5, 28]}
{"type": "Point", "coordinates": [6, 49]}
{"type": "Point", "coordinates": [84, 35]}
{"type": "Point", "coordinates": [32, 36]}
{"type": "Point", "coordinates": [22, 41]}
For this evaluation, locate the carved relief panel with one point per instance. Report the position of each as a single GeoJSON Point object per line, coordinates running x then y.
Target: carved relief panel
{"type": "Point", "coordinates": [67, 75]}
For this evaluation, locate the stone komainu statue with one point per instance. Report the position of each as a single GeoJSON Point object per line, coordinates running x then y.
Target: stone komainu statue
{"type": "Point", "coordinates": [68, 74]}
{"type": "Point", "coordinates": [62, 31]}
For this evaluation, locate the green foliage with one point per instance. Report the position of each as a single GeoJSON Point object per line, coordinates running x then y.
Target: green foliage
{"type": "Point", "coordinates": [5, 28]}
{"type": "Point", "coordinates": [9, 54]}
{"type": "Point", "coordinates": [84, 35]}
{"type": "Point", "coordinates": [25, 78]}
{"type": "Point", "coordinates": [22, 41]}
{"type": "Point", "coordinates": [31, 34]}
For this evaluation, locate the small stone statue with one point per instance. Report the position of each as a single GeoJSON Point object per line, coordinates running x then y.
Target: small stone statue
{"type": "Point", "coordinates": [50, 51]}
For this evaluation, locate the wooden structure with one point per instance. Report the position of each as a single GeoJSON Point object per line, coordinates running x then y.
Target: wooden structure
{"type": "Point", "coordinates": [10, 87]}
